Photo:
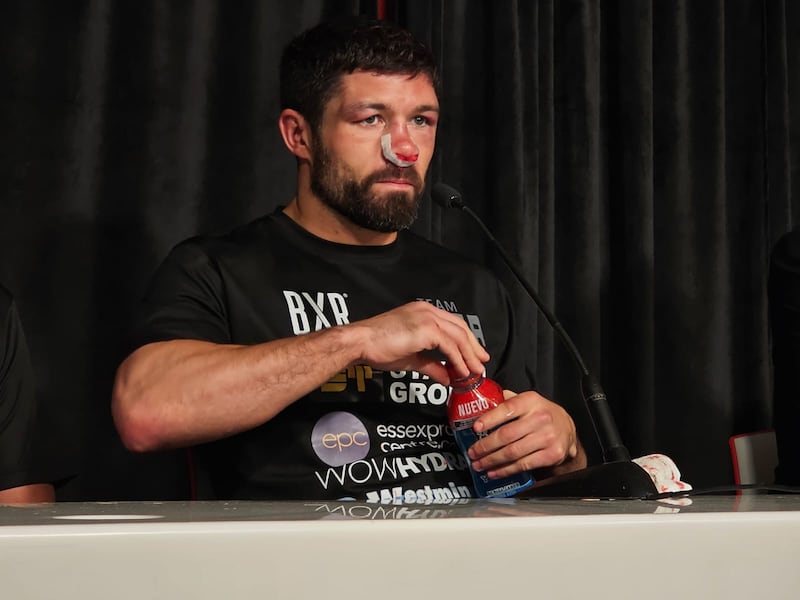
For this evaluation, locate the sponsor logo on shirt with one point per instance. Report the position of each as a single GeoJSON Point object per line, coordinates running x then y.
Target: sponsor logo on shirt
{"type": "Point", "coordinates": [400, 387]}
{"type": "Point", "coordinates": [423, 495]}
{"type": "Point", "coordinates": [473, 321]}
{"type": "Point", "coordinates": [351, 376]}
{"type": "Point", "coordinates": [312, 311]}
{"type": "Point", "coordinates": [342, 442]}
{"type": "Point", "coordinates": [339, 438]}
{"type": "Point", "coordinates": [390, 468]}
{"type": "Point", "coordinates": [415, 388]}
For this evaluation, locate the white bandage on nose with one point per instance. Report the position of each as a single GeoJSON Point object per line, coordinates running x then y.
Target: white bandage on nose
{"type": "Point", "coordinates": [401, 160]}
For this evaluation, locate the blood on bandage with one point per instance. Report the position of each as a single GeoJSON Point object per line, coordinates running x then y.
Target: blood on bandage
{"type": "Point", "coordinates": [401, 160]}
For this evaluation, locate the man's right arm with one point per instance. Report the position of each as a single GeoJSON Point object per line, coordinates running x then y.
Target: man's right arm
{"type": "Point", "coordinates": [184, 392]}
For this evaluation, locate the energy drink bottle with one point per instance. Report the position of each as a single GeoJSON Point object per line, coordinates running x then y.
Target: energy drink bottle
{"type": "Point", "coordinates": [469, 398]}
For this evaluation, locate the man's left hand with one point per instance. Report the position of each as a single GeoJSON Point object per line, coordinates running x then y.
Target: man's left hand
{"type": "Point", "coordinates": [528, 432]}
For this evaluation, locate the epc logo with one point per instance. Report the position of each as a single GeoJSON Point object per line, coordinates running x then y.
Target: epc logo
{"type": "Point", "coordinates": [339, 438]}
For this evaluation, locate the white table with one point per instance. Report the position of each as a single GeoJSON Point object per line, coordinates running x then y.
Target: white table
{"type": "Point", "coordinates": [745, 546]}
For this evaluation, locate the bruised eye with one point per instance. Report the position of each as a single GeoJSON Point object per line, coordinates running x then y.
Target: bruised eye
{"type": "Point", "coordinates": [371, 120]}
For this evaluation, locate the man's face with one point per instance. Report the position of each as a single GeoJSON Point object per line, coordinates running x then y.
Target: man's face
{"type": "Point", "coordinates": [349, 171]}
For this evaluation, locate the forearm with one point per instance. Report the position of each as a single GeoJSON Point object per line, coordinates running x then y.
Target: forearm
{"type": "Point", "coordinates": [184, 392]}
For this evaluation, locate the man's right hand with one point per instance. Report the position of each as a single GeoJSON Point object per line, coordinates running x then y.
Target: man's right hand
{"type": "Point", "coordinates": [401, 340]}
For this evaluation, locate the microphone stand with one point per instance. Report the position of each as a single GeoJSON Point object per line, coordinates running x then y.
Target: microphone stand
{"type": "Point", "coordinates": [617, 476]}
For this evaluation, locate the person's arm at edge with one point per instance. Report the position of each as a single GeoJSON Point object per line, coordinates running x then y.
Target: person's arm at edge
{"type": "Point", "coordinates": [33, 493]}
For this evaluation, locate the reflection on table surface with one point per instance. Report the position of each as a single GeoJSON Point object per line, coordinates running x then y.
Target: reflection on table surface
{"type": "Point", "coordinates": [298, 510]}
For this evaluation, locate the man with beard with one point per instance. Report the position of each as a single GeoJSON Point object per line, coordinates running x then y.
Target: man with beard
{"type": "Point", "coordinates": [301, 355]}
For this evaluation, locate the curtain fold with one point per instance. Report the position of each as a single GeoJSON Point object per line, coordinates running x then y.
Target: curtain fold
{"type": "Point", "coordinates": [649, 227]}
{"type": "Point", "coordinates": [636, 159]}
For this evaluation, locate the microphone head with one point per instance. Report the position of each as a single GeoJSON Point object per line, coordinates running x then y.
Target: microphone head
{"type": "Point", "coordinates": [446, 196]}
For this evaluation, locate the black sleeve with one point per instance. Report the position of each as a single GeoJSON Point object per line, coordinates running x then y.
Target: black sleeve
{"type": "Point", "coordinates": [784, 305]}
{"type": "Point", "coordinates": [24, 443]}
{"type": "Point", "coordinates": [184, 300]}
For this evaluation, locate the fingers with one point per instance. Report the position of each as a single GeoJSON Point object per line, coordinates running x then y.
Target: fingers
{"type": "Point", "coordinates": [463, 351]}
{"type": "Point", "coordinates": [527, 432]}
{"type": "Point", "coordinates": [401, 339]}
{"type": "Point", "coordinates": [457, 342]}
{"type": "Point", "coordinates": [432, 368]}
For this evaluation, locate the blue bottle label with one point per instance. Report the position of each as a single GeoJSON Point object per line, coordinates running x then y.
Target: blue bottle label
{"type": "Point", "coordinates": [484, 487]}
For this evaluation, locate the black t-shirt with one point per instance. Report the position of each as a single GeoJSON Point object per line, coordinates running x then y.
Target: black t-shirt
{"type": "Point", "coordinates": [365, 434]}
{"type": "Point", "coordinates": [26, 453]}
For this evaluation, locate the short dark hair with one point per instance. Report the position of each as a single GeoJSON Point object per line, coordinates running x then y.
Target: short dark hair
{"type": "Point", "coordinates": [314, 62]}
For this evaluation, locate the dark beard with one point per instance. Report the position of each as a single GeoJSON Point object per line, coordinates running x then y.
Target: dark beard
{"type": "Point", "coordinates": [352, 199]}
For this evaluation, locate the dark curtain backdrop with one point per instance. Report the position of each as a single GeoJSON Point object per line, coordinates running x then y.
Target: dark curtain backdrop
{"type": "Point", "coordinates": [635, 157]}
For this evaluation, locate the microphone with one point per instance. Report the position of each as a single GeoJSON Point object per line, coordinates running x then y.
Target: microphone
{"type": "Point", "coordinates": [618, 476]}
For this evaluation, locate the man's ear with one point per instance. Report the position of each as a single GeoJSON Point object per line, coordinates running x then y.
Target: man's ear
{"type": "Point", "coordinates": [296, 133]}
